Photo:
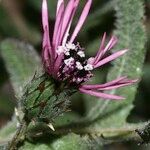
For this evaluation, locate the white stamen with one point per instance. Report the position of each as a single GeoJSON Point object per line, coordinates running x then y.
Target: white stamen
{"type": "Point", "coordinates": [66, 51]}
{"type": "Point", "coordinates": [91, 60]}
{"type": "Point", "coordinates": [63, 49]}
{"type": "Point", "coordinates": [69, 62]}
{"type": "Point", "coordinates": [81, 54]}
{"type": "Point", "coordinates": [79, 80]}
{"type": "Point", "coordinates": [88, 67]}
{"type": "Point", "coordinates": [70, 46]}
{"type": "Point", "coordinates": [79, 66]}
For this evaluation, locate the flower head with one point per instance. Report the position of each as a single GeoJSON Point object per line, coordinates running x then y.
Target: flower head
{"type": "Point", "coordinates": [65, 60]}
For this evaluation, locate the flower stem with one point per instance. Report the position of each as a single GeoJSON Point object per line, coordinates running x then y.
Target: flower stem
{"type": "Point", "coordinates": [19, 135]}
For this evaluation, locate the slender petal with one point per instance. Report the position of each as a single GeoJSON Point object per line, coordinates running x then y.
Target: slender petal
{"type": "Point", "coordinates": [97, 58]}
{"type": "Point", "coordinates": [58, 35]}
{"type": "Point", "coordinates": [110, 58]}
{"type": "Point", "coordinates": [45, 22]}
{"type": "Point", "coordinates": [68, 28]}
{"type": "Point", "coordinates": [57, 64]}
{"type": "Point", "coordinates": [57, 27]}
{"type": "Point", "coordinates": [96, 86]}
{"type": "Point", "coordinates": [81, 20]}
{"type": "Point", "coordinates": [111, 43]}
{"type": "Point", "coordinates": [128, 80]}
{"type": "Point", "coordinates": [67, 17]}
{"type": "Point", "coordinates": [46, 38]}
{"type": "Point", "coordinates": [71, 7]}
{"type": "Point", "coordinates": [47, 61]}
{"type": "Point", "coordinates": [101, 95]}
{"type": "Point", "coordinates": [115, 86]}
{"type": "Point", "coordinates": [103, 50]}
{"type": "Point", "coordinates": [59, 3]}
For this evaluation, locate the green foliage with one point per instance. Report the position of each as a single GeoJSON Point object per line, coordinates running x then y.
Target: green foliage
{"type": "Point", "coordinates": [29, 146]}
{"type": "Point", "coordinates": [131, 35]}
{"type": "Point", "coordinates": [68, 142]}
{"type": "Point", "coordinates": [102, 116]}
{"type": "Point", "coordinates": [19, 62]}
{"type": "Point", "coordinates": [8, 130]}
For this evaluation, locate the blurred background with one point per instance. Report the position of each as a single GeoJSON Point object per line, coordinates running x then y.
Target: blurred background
{"type": "Point", "coordinates": [22, 20]}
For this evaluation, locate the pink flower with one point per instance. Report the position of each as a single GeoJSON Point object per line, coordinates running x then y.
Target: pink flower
{"type": "Point", "coordinates": [66, 62]}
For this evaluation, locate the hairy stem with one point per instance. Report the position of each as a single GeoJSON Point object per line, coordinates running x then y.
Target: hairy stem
{"type": "Point", "coordinates": [108, 135]}
{"type": "Point", "coordinates": [19, 135]}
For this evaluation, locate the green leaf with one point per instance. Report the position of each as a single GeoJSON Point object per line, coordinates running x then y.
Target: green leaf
{"type": "Point", "coordinates": [68, 142]}
{"type": "Point", "coordinates": [30, 146]}
{"type": "Point", "coordinates": [21, 61]}
{"type": "Point", "coordinates": [7, 132]}
{"type": "Point", "coordinates": [131, 35]}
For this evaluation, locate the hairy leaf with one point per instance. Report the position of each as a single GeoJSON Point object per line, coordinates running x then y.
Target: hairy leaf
{"type": "Point", "coordinates": [69, 142]}
{"type": "Point", "coordinates": [7, 132]}
{"type": "Point", "coordinates": [131, 35]}
{"type": "Point", "coordinates": [30, 146]}
{"type": "Point", "coordinates": [21, 61]}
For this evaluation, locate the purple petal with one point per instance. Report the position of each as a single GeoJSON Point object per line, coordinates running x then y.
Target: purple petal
{"type": "Point", "coordinates": [59, 3]}
{"type": "Point", "coordinates": [103, 50]}
{"type": "Point", "coordinates": [111, 43]}
{"type": "Point", "coordinates": [96, 86]}
{"type": "Point", "coordinates": [81, 20]}
{"type": "Point", "coordinates": [97, 58]}
{"type": "Point", "coordinates": [128, 81]}
{"type": "Point", "coordinates": [45, 22]}
{"type": "Point", "coordinates": [44, 14]}
{"type": "Point", "coordinates": [101, 95]}
{"type": "Point", "coordinates": [115, 86]}
{"type": "Point", "coordinates": [58, 36]}
{"type": "Point", "coordinates": [46, 38]}
{"type": "Point", "coordinates": [67, 17]}
{"type": "Point", "coordinates": [57, 26]}
{"type": "Point", "coordinates": [65, 27]}
{"type": "Point", "coordinates": [110, 58]}
{"type": "Point", "coordinates": [47, 61]}
{"type": "Point", "coordinates": [57, 64]}
{"type": "Point", "coordinates": [69, 25]}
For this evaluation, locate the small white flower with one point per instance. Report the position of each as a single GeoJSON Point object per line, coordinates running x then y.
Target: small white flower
{"type": "Point", "coordinates": [88, 67]}
{"type": "Point", "coordinates": [63, 49]}
{"type": "Point", "coordinates": [79, 66]}
{"type": "Point", "coordinates": [66, 51]}
{"type": "Point", "coordinates": [79, 80]}
{"type": "Point", "coordinates": [81, 54]}
{"type": "Point", "coordinates": [69, 62]}
{"type": "Point", "coordinates": [70, 46]}
{"type": "Point", "coordinates": [91, 60]}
